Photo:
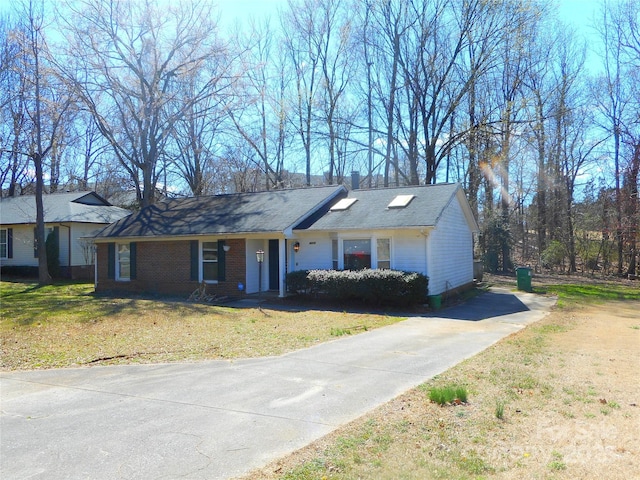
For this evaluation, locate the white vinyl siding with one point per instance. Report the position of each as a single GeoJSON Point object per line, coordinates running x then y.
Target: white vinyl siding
{"type": "Point", "coordinates": [81, 249]}
{"type": "Point", "coordinates": [410, 252]}
{"type": "Point", "coordinates": [450, 252]}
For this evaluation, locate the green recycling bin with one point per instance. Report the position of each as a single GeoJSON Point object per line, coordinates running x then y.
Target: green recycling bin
{"type": "Point", "coordinates": [523, 275]}
{"type": "Point", "coordinates": [435, 301]}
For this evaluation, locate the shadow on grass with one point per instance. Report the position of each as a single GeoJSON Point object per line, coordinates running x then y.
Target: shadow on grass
{"type": "Point", "coordinates": [28, 303]}
{"type": "Point", "coordinates": [306, 303]}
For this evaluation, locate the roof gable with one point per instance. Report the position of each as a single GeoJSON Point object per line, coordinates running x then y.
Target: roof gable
{"type": "Point", "coordinates": [91, 198]}
{"type": "Point", "coordinates": [418, 206]}
{"type": "Point", "coordinates": [271, 211]}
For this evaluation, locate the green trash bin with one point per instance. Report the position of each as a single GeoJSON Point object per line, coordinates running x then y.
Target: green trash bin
{"type": "Point", "coordinates": [523, 275]}
{"type": "Point", "coordinates": [435, 301]}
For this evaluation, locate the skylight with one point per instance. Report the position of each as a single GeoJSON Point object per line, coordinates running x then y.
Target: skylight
{"type": "Point", "coordinates": [343, 204]}
{"type": "Point", "coordinates": [401, 201]}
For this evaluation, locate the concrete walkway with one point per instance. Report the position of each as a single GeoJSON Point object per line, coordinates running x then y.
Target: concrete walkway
{"type": "Point", "coordinates": [220, 419]}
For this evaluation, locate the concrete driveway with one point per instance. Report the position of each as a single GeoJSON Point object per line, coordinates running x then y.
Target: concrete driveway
{"type": "Point", "coordinates": [220, 419]}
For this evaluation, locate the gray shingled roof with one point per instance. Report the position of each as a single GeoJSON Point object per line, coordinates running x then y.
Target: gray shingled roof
{"type": "Point", "coordinates": [371, 211]}
{"type": "Point", "coordinates": [272, 211]}
{"type": "Point", "coordinates": [81, 207]}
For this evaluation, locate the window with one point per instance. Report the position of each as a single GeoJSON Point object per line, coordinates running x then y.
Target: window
{"type": "Point", "coordinates": [362, 253]}
{"type": "Point", "coordinates": [4, 243]}
{"type": "Point", "coordinates": [383, 253]}
{"type": "Point", "coordinates": [123, 263]}
{"type": "Point", "coordinates": [357, 254]}
{"type": "Point", "coordinates": [334, 253]}
{"type": "Point", "coordinates": [210, 261]}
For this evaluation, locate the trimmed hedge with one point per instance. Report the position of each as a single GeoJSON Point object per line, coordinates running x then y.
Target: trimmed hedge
{"type": "Point", "coordinates": [372, 286]}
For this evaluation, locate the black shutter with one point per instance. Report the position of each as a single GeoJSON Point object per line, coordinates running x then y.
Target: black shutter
{"type": "Point", "coordinates": [194, 260]}
{"type": "Point", "coordinates": [132, 260]}
{"type": "Point", "coordinates": [56, 238]}
{"type": "Point", "coordinates": [9, 242]}
{"type": "Point", "coordinates": [221, 261]}
{"type": "Point", "coordinates": [111, 261]}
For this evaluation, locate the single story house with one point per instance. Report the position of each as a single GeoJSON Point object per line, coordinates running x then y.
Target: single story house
{"type": "Point", "coordinates": [71, 217]}
{"type": "Point", "coordinates": [175, 245]}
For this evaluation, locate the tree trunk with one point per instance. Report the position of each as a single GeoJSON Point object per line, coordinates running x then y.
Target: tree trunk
{"type": "Point", "coordinates": [43, 270]}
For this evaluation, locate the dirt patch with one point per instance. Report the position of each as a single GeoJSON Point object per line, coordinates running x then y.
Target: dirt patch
{"type": "Point", "coordinates": [569, 387]}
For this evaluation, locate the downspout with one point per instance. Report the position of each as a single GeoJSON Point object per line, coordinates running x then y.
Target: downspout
{"type": "Point", "coordinates": [95, 267]}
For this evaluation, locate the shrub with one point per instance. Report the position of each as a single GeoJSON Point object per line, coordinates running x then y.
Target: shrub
{"type": "Point", "coordinates": [371, 286]}
{"type": "Point", "coordinates": [297, 281]}
{"type": "Point", "coordinates": [554, 254]}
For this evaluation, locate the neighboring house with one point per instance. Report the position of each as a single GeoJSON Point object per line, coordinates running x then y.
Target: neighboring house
{"type": "Point", "coordinates": [173, 246]}
{"type": "Point", "coordinates": [71, 217]}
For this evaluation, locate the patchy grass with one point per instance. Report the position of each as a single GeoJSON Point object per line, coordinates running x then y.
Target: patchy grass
{"type": "Point", "coordinates": [574, 295]}
{"type": "Point", "coordinates": [66, 325]}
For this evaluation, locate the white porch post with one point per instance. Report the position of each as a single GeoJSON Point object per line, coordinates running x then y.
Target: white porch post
{"type": "Point", "coordinates": [282, 257]}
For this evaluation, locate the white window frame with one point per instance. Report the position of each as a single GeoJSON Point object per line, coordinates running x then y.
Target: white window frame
{"type": "Point", "coordinates": [374, 248]}
{"type": "Point", "coordinates": [119, 276]}
{"type": "Point", "coordinates": [201, 261]}
{"type": "Point", "coordinates": [377, 258]}
{"type": "Point", "coordinates": [4, 243]}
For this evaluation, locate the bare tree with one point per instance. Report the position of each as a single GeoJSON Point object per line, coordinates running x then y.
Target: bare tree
{"type": "Point", "coordinates": [47, 103]}
{"type": "Point", "coordinates": [334, 43]}
{"type": "Point", "coordinates": [616, 92]}
{"type": "Point", "coordinates": [14, 123]}
{"type": "Point", "coordinates": [135, 61]}
{"type": "Point", "coordinates": [258, 111]}
{"type": "Point", "coordinates": [303, 27]}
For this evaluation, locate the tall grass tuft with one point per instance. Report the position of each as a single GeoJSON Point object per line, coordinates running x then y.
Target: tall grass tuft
{"type": "Point", "coordinates": [447, 395]}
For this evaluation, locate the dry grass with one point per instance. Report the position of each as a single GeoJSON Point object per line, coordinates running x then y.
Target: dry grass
{"type": "Point", "coordinates": [568, 385]}
{"type": "Point", "coordinates": [570, 397]}
{"type": "Point", "coordinates": [66, 325]}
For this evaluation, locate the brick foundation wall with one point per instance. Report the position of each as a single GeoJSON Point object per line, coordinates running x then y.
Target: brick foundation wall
{"type": "Point", "coordinates": [165, 268]}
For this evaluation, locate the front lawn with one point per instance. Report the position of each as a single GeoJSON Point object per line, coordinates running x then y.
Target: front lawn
{"type": "Point", "coordinates": [67, 325]}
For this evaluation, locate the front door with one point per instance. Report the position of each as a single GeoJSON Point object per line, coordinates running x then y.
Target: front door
{"type": "Point", "coordinates": [274, 265]}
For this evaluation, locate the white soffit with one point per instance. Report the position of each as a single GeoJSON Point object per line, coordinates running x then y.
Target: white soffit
{"type": "Point", "coordinates": [401, 201]}
{"type": "Point", "coordinates": [343, 204]}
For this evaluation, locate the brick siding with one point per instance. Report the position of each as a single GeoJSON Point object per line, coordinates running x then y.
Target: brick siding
{"type": "Point", "coordinates": [165, 268]}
